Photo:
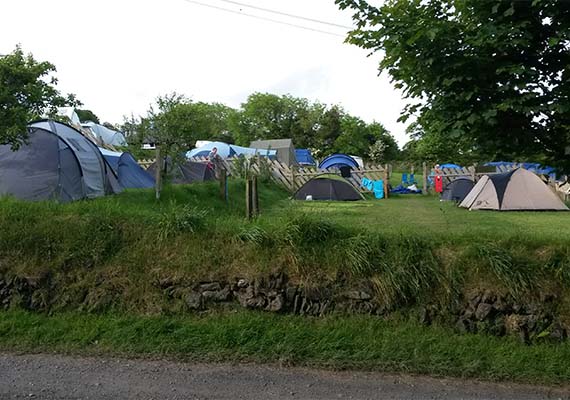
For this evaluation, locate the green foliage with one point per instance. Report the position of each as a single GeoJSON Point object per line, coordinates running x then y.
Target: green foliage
{"type": "Point", "coordinates": [87, 115]}
{"type": "Point", "coordinates": [490, 76]}
{"type": "Point", "coordinates": [27, 92]}
{"type": "Point", "coordinates": [322, 129]}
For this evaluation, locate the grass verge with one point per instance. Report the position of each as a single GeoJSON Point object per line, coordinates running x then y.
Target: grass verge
{"type": "Point", "coordinates": [333, 342]}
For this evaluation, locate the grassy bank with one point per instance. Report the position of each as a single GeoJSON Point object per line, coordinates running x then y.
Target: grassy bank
{"type": "Point", "coordinates": [110, 253]}
{"type": "Point", "coordinates": [113, 274]}
{"type": "Point", "coordinates": [348, 342]}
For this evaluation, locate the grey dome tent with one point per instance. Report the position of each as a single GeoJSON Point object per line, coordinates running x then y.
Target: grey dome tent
{"type": "Point", "coordinates": [519, 189]}
{"type": "Point", "coordinates": [57, 163]}
{"type": "Point", "coordinates": [457, 190]}
{"type": "Point", "coordinates": [328, 187]}
{"type": "Point", "coordinates": [185, 172]}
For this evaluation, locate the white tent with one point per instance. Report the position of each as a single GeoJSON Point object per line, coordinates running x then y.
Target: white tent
{"type": "Point", "coordinates": [105, 135]}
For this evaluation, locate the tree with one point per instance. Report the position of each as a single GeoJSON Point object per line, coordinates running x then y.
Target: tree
{"type": "Point", "coordinates": [370, 141]}
{"type": "Point", "coordinates": [87, 115]}
{"type": "Point", "coordinates": [27, 92]}
{"type": "Point", "coordinates": [268, 116]}
{"type": "Point", "coordinates": [490, 76]}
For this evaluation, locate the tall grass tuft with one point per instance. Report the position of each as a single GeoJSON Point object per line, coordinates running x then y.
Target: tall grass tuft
{"type": "Point", "coordinates": [408, 273]}
{"type": "Point", "coordinates": [185, 219]}
{"type": "Point", "coordinates": [304, 229]}
{"type": "Point", "coordinates": [254, 234]}
{"type": "Point", "coordinates": [516, 277]}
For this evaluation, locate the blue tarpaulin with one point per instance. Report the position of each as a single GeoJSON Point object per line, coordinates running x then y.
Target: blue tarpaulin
{"type": "Point", "coordinates": [450, 165]}
{"type": "Point", "coordinates": [304, 157]}
{"type": "Point", "coordinates": [228, 150]}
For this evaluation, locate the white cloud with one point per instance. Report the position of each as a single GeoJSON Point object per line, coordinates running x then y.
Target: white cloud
{"type": "Point", "coordinates": [118, 55]}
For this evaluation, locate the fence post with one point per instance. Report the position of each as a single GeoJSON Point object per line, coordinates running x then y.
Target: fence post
{"type": "Point", "coordinates": [386, 183]}
{"type": "Point", "coordinates": [473, 169]}
{"type": "Point", "coordinates": [248, 208]}
{"type": "Point", "coordinates": [223, 183]}
{"type": "Point", "coordinates": [254, 196]}
{"type": "Point", "coordinates": [424, 178]}
{"type": "Point", "coordinates": [158, 173]}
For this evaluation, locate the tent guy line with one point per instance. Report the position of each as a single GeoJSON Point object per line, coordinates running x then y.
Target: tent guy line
{"type": "Point", "coordinates": [264, 18]}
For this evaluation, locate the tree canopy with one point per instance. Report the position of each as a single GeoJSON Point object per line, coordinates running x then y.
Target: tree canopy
{"type": "Point", "coordinates": [87, 115]}
{"type": "Point", "coordinates": [490, 77]}
{"type": "Point", "coordinates": [176, 121]}
{"type": "Point", "coordinates": [27, 92]}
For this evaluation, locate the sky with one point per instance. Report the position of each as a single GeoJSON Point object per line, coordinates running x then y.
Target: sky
{"type": "Point", "coordinates": [117, 56]}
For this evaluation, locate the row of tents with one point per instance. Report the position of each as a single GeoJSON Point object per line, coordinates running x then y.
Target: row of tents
{"type": "Point", "coordinates": [282, 150]}
{"type": "Point", "coordinates": [59, 163]}
{"type": "Point", "coordinates": [517, 190]}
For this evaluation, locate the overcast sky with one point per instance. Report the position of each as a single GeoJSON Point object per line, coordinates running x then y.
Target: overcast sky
{"type": "Point", "coordinates": [117, 56]}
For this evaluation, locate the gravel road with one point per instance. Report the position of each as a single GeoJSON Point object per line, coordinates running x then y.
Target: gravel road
{"type": "Point", "coordinates": [47, 376]}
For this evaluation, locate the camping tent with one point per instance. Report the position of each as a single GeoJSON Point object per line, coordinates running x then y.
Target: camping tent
{"type": "Point", "coordinates": [338, 161]}
{"type": "Point", "coordinates": [457, 190]}
{"type": "Point", "coordinates": [57, 163]}
{"type": "Point", "coordinates": [186, 171]}
{"type": "Point", "coordinates": [515, 190]}
{"type": "Point", "coordinates": [105, 135]}
{"type": "Point", "coordinates": [284, 147]}
{"type": "Point", "coordinates": [450, 166]}
{"type": "Point", "coordinates": [328, 187]}
{"type": "Point", "coordinates": [304, 157]}
{"type": "Point", "coordinates": [130, 174]}
{"type": "Point", "coordinates": [227, 150]}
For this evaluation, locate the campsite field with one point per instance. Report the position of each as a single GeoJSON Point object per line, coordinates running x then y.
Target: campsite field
{"type": "Point", "coordinates": [104, 261]}
{"type": "Point", "coordinates": [442, 221]}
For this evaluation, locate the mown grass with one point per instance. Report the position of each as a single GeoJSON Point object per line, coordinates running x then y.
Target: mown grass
{"type": "Point", "coordinates": [332, 342]}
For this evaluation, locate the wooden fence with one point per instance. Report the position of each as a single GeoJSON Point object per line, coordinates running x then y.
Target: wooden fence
{"type": "Point", "coordinates": [291, 177]}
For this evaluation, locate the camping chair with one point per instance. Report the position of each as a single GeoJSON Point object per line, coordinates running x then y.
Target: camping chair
{"type": "Point", "coordinates": [412, 179]}
{"type": "Point", "coordinates": [378, 189]}
{"type": "Point", "coordinates": [404, 178]}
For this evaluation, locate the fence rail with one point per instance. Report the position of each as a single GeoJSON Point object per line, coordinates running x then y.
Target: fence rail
{"type": "Point", "coordinates": [291, 177]}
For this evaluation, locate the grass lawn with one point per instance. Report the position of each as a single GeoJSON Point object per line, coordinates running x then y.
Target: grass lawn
{"type": "Point", "coordinates": [349, 342]}
{"type": "Point", "coordinates": [427, 216]}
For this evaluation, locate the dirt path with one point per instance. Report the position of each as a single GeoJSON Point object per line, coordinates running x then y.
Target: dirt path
{"type": "Point", "coordinates": [61, 377]}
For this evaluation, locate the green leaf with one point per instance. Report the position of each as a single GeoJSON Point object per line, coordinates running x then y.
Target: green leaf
{"type": "Point", "coordinates": [510, 11]}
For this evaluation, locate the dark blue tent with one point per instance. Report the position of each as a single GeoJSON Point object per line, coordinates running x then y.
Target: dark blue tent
{"type": "Point", "coordinates": [534, 167]}
{"type": "Point", "coordinates": [304, 157]}
{"type": "Point", "coordinates": [338, 161]}
{"type": "Point", "coordinates": [130, 174]}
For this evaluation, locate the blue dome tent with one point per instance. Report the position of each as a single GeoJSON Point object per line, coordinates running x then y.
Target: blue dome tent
{"type": "Point", "coordinates": [338, 161]}
{"type": "Point", "coordinates": [130, 174]}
